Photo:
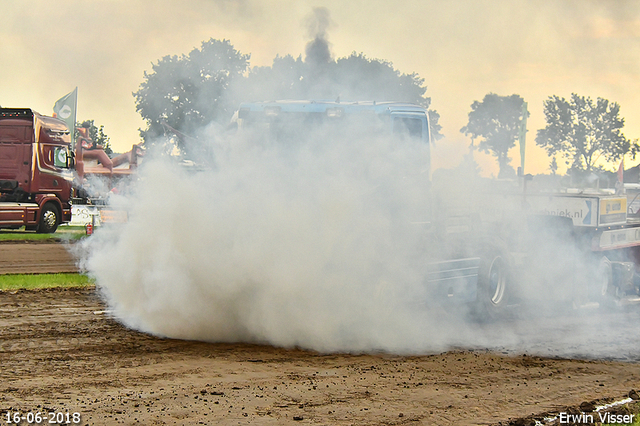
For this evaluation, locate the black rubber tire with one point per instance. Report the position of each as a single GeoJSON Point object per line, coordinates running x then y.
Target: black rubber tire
{"type": "Point", "coordinates": [49, 219]}
{"type": "Point", "coordinates": [494, 280]}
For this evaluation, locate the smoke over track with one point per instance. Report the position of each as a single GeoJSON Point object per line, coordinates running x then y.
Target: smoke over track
{"type": "Point", "coordinates": [317, 241]}
{"type": "Point", "coordinates": [309, 245]}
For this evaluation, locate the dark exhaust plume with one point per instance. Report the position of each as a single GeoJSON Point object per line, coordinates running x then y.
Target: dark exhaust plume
{"type": "Point", "coordinates": [318, 50]}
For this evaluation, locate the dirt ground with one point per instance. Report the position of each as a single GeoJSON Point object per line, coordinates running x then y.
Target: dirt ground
{"type": "Point", "coordinates": [35, 257]}
{"type": "Point", "coordinates": [61, 352]}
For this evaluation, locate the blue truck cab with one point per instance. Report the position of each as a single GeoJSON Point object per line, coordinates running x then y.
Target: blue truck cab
{"type": "Point", "coordinates": [401, 119]}
{"type": "Point", "coordinates": [466, 278]}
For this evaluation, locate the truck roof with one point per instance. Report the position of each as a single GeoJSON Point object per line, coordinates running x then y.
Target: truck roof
{"type": "Point", "coordinates": [8, 113]}
{"type": "Point", "coordinates": [54, 129]}
{"type": "Point", "coordinates": [321, 106]}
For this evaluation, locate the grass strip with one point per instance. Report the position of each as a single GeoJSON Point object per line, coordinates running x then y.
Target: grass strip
{"type": "Point", "coordinates": [63, 233]}
{"type": "Point", "coordinates": [630, 408]}
{"type": "Point", "coordinates": [34, 281]}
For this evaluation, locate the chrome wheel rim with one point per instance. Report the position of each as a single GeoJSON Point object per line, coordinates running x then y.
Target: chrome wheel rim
{"type": "Point", "coordinates": [49, 219]}
{"type": "Point", "coordinates": [497, 280]}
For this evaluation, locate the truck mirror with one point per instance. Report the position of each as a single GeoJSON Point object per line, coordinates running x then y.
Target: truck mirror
{"type": "Point", "coordinates": [71, 160]}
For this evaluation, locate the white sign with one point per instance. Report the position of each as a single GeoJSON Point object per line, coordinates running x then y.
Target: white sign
{"type": "Point", "coordinates": [82, 215]}
{"type": "Point", "coordinates": [583, 211]}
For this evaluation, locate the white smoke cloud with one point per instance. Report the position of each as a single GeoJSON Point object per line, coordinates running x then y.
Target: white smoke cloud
{"type": "Point", "coordinates": [313, 244]}
{"type": "Point", "coordinates": [308, 245]}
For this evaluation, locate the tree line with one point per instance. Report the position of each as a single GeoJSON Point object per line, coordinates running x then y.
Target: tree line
{"type": "Point", "coordinates": [579, 130]}
{"type": "Point", "coordinates": [205, 86]}
{"type": "Point", "coordinates": [191, 91]}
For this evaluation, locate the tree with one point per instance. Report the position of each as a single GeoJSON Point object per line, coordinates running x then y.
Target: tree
{"type": "Point", "coordinates": [553, 166]}
{"type": "Point", "coordinates": [496, 121]}
{"type": "Point", "coordinates": [355, 77]}
{"type": "Point", "coordinates": [189, 92]}
{"type": "Point", "coordinates": [582, 131]}
{"type": "Point", "coordinates": [96, 134]}
{"type": "Point", "coordinates": [185, 93]}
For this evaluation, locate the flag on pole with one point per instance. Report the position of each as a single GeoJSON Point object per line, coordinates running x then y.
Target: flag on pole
{"type": "Point", "coordinates": [65, 109]}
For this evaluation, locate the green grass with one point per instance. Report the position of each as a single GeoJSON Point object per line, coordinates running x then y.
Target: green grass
{"type": "Point", "coordinates": [34, 281]}
{"type": "Point", "coordinates": [64, 232]}
{"type": "Point", "coordinates": [635, 423]}
{"type": "Point", "coordinates": [632, 408]}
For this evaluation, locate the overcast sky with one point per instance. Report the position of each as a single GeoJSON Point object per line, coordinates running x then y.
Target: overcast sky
{"type": "Point", "coordinates": [463, 49]}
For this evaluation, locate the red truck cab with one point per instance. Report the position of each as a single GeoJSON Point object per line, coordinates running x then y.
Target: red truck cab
{"type": "Point", "coordinates": [36, 181]}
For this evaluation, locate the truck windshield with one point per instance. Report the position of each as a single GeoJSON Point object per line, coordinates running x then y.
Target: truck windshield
{"type": "Point", "coordinates": [407, 127]}
{"type": "Point", "coordinates": [298, 126]}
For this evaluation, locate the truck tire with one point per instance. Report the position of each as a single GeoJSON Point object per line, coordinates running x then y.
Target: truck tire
{"type": "Point", "coordinates": [606, 289]}
{"type": "Point", "coordinates": [493, 285]}
{"type": "Point", "coordinates": [49, 219]}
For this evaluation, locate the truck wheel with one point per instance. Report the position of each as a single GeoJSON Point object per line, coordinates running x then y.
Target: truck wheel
{"type": "Point", "coordinates": [493, 287]}
{"type": "Point", "coordinates": [606, 290]}
{"type": "Point", "coordinates": [49, 219]}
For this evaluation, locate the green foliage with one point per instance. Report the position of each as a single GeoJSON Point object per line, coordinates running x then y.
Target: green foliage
{"type": "Point", "coordinates": [496, 123]}
{"type": "Point", "coordinates": [355, 77]}
{"type": "Point", "coordinates": [582, 131]}
{"type": "Point", "coordinates": [33, 281]}
{"type": "Point", "coordinates": [190, 91]}
{"type": "Point", "coordinates": [553, 166]}
{"type": "Point", "coordinates": [96, 134]}
{"type": "Point", "coordinates": [630, 408]}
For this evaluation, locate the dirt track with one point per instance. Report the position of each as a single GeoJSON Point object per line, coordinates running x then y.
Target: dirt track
{"type": "Point", "coordinates": [35, 257]}
{"type": "Point", "coordinates": [60, 352]}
